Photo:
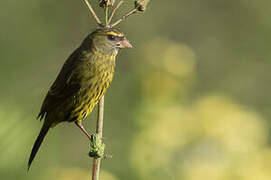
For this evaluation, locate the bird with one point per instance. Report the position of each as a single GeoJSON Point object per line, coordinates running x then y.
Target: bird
{"type": "Point", "coordinates": [81, 83]}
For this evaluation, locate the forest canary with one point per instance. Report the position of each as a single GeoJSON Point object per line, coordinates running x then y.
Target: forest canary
{"type": "Point", "coordinates": [81, 83]}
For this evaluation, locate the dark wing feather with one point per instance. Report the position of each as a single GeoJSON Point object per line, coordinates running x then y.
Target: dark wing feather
{"type": "Point", "coordinates": [65, 85]}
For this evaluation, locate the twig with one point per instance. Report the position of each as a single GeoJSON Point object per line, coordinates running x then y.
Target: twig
{"type": "Point", "coordinates": [114, 11]}
{"type": "Point", "coordinates": [99, 131]}
{"type": "Point", "coordinates": [134, 10]}
{"type": "Point", "coordinates": [92, 12]}
{"type": "Point", "coordinates": [106, 15]}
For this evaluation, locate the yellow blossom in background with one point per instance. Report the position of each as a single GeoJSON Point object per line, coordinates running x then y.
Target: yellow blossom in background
{"type": "Point", "coordinates": [211, 138]}
{"type": "Point", "coordinates": [237, 128]}
{"type": "Point", "coordinates": [214, 139]}
{"type": "Point", "coordinates": [174, 58]}
{"type": "Point", "coordinates": [171, 71]}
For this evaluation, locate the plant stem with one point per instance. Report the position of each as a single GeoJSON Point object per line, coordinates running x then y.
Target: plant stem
{"type": "Point", "coordinates": [114, 11]}
{"type": "Point", "coordinates": [99, 131]}
{"type": "Point", "coordinates": [106, 15]}
{"type": "Point", "coordinates": [92, 12]}
{"type": "Point", "coordinates": [132, 11]}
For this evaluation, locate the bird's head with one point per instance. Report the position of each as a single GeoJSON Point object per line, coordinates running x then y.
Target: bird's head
{"type": "Point", "coordinates": [108, 40]}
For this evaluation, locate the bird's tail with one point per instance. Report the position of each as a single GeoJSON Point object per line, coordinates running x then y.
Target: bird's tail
{"type": "Point", "coordinates": [38, 142]}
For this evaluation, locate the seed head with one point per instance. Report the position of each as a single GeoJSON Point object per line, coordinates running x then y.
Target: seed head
{"type": "Point", "coordinates": [141, 5]}
{"type": "Point", "coordinates": [106, 3]}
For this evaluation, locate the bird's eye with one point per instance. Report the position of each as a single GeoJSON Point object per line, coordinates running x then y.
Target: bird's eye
{"type": "Point", "coordinates": [111, 37]}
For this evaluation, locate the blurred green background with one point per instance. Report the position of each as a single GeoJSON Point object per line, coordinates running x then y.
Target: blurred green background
{"type": "Point", "coordinates": [190, 101]}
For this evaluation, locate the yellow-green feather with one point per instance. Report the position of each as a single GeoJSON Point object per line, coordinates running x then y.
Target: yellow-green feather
{"type": "Point", "coordinates": [98, 84]}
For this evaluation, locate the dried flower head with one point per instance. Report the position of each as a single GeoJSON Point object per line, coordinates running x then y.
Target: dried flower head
{"type": "Point", "coordinates": [106, 3]}
{"type": "Point", "coordinates": [141, 5]}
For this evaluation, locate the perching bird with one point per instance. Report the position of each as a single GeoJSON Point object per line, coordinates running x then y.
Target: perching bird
{"type": "Point", "coordinates": [81, 83]}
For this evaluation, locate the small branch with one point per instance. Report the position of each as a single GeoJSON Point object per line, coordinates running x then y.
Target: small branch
{"type": "Point", "coordinates": [106, 16]}
{"type": "Point", "coordinates": [92, 12]}
{"type": "Point", "coordinates": [99, 126]}
{"type": "Point", "coordinates": [96, 169]}
{"type": "Point", "coordinates": [99, 131]}
{"type": "Point", "coordinates": [134, 10]}
{"type": "Point", "coordinates": [114, 11]}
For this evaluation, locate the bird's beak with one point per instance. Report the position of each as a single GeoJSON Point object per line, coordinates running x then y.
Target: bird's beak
{"type": "Point", "coordinates": [124, 44]}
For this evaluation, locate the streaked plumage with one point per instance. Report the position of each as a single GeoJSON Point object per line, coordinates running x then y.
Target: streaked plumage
{"type": "Point", "coordinates": [82, 81]}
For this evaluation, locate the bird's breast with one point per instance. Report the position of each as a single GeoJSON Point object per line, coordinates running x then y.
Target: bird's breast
{"type": "Point", "coordinates": [95, 81]}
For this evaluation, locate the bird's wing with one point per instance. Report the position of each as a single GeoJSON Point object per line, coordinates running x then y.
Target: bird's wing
{"type": "Point", "coordinates": [65, 86]}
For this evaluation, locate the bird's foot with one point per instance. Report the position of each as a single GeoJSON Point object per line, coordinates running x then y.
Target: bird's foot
{"type": "Point", "coordinates": [97, 146]}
